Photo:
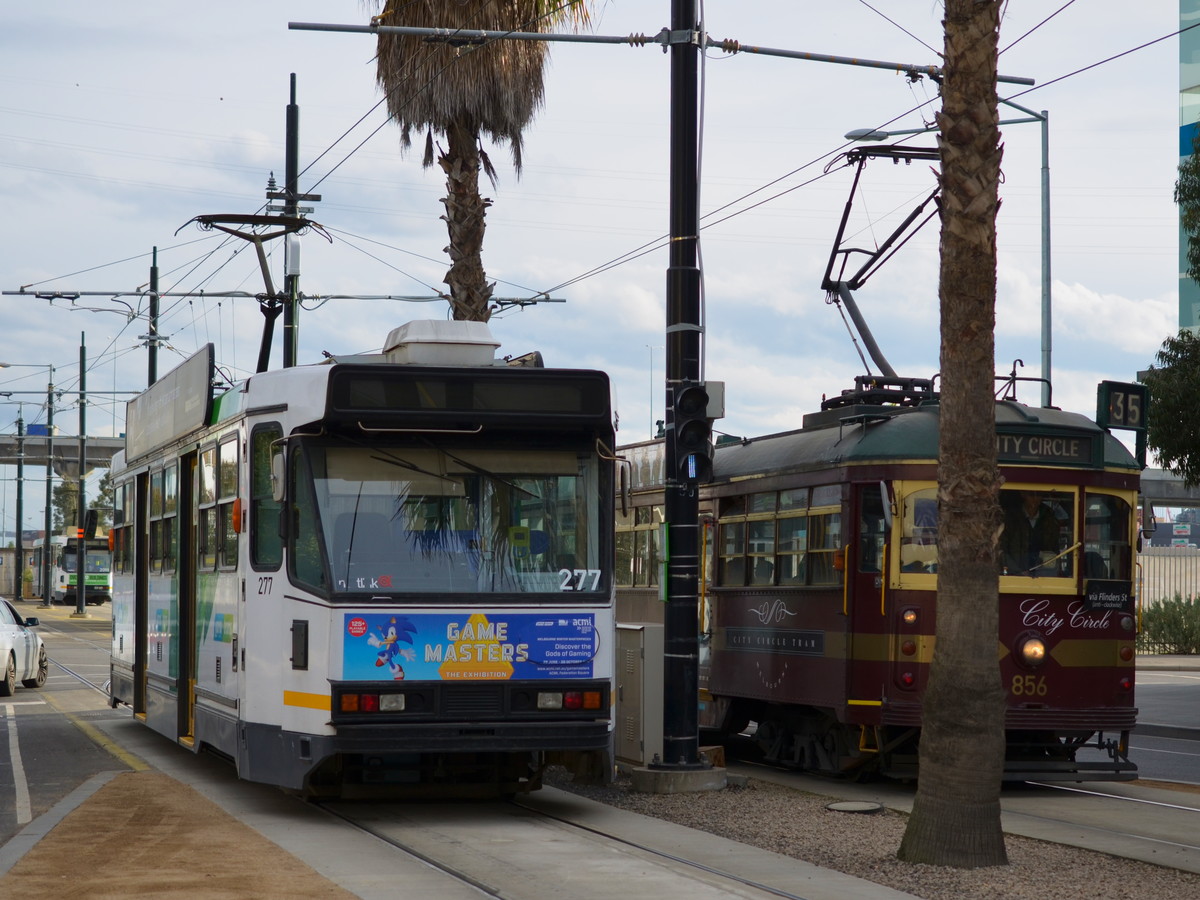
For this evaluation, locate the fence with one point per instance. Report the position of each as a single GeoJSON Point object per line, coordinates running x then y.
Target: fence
{"type": "Point", "coordinates": [1165, 573]}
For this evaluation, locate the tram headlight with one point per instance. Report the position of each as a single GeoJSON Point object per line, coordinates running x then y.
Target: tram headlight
{"type": "Point", "coordinates": [1032, 651]}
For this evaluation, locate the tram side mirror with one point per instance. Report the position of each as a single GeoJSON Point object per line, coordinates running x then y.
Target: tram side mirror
{"type": "Point", "coordinates": [1149, 524]}
{"type": "Point", "coordinates": [91, 521]}
{"type": "Point", "coordinates": [886, 496]}
{"type": "Point", "coordinates": [277, 477]}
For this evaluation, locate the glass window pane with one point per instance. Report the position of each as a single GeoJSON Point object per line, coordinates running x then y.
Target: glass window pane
{"type": "Point", "coordinates": [732, 542]}
{"type": "Point", "coordinates": [208, 538]}
{"type": "Point", "coordinates": [228, 458]}
{"type": "Point", "coordinates": [156, 494]}
{"type": "Point", "coordinates": [170, 489]}
{"type": "Point", "coordinates": [1038, 526]}
{"type": "Point", "coordinates": [827, 495]}
{"type": "Point", "coordinates": [208, 476]}
{"type": "Point", "coordinates": [918, 535]}
{"type": "Point", "coordinates": [793, 547]}
{"type": "Point", "coordinates": [764, 502]}
{"type": "Point", "coordinates": [733, 506]}
{"type": "Point", "coordinates": [624, 571]}
{"type": "Point", "coordinates": [796, 498]}
{"type": "Point", "coordinates": [870, 529]}
{"type": "Point", "coordinates": [266, 545]}
{"type": "Point", "coordinates": [1106, 544]}
{"type": "Point", "coordinates": [229, 537]}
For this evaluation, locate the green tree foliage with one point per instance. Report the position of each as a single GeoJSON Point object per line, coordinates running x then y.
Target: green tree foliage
{"type": "Point", "coordinates": [1187, 196]}
{"type": "Point", "coordinates": [66, 504]}
{"type": "Point", "coordinates": [459, 93]}
{"type": "Point", "coordinates": [1173, 428]}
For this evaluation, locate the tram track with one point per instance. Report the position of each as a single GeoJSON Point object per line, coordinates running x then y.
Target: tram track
{"type": "Point", "coordinates": [485, 845]}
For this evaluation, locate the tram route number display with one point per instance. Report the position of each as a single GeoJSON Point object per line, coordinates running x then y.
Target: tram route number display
{"type": "Point", "coordinates": [463, 646]}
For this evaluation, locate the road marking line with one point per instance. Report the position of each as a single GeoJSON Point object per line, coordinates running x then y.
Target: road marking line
{"type": "Point", "coordinates": [99, 737]}
{"type": "Point", "coordinates": [24, 810]}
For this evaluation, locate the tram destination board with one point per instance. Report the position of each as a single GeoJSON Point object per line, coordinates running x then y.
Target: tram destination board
{"type": "Point", "coordinates": [1104, 593]}
{"type": "Point", "coordinates": [478, 394]}
{"type": "Point", "coordinates": [1064, 449]}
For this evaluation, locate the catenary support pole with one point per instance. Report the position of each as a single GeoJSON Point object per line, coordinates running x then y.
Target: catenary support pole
{"type": "Point", "coordinates": [683, 343]}
{"type": "Point", "coordinates": [81, 511]}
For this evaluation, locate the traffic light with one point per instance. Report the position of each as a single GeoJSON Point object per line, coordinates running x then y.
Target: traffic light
{"type": "Point", "coordinates": [693, 433]}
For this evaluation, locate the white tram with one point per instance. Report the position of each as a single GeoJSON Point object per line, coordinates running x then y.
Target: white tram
{"type": "Point", "coordinates": [375, 572]}
{"type": "Point", "coordinates": [65, 573]}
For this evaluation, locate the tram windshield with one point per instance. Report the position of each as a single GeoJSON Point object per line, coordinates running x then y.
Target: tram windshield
{"type": "Point", "coordinates": [402, 519]}
{"type": "Point", "coordinates": [95, 560]}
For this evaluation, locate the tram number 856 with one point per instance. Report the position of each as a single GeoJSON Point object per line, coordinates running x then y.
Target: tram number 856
{"type": "Point", "coordinates": [1029, 685]}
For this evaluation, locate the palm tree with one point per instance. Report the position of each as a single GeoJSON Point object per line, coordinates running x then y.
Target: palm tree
{"type": "Point", "coordinates": [458, 92]}
{"type": "Point", "coordinates": [956, 812]}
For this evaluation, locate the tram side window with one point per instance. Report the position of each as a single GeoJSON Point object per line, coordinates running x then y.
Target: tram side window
{"type": "Point", "coordinates": [120, 529]}
{"type": "Point", "coordinates": [1106, 538]}
{"type": "Point", "coordinates": [824, 540]}
{"type": "Point", "coordinates": [209, 534]}
{"type": "Point", "coordinates": [919, 527]}
{"type": "Point", "coordinates": [157, 523]}
{"type": "Point", "coordinates": [783, 538]}
{"type": "Point", "coordinates": [227, 484]}
{"type": "Point", "coordinates": [870, 529]}
{"type": "Point", "coordinates": [266, 544]}
{"type": "Point", "coordinates": [732, 541]}
{"type": "Point", "coordinates": [170, 517]}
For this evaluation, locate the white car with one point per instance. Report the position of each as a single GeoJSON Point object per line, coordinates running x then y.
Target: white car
{"type": "Point", "coordinates": [22, 653]}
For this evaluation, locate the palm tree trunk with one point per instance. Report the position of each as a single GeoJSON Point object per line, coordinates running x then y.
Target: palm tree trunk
{"type": "Point", "coordinates": [956, 812]}
{"type": "Point", "coordinates": [470, 292]}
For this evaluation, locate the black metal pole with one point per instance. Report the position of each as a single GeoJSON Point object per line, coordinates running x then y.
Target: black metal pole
{"type": "Point", "coordinates": [680, 632]}
{"type": "Point", "coordinates": [152, 374]}
{"type": "Point", "coordinates": [19, 543]}
{"type": "Point", "coordinates": [47, 549]}
{"type": "Point", "coordinates": [291, 325]}
{"type": "Point", "coordinates": [81, 513]}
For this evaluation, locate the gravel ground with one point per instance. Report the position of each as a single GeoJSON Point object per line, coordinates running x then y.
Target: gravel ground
{"type": "Point", "coordinates": [796, 823]}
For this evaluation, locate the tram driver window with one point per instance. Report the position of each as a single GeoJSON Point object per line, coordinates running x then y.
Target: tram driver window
{"type": "Point", "coordinates": [1038, 529]}
{"type": "Point", "coordinates": [918, 541]}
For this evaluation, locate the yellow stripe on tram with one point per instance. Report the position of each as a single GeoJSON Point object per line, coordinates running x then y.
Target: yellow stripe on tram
{"type": "Point", "coordinates": [308, 701]}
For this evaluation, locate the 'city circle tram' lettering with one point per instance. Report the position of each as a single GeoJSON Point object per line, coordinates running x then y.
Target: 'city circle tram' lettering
{"type": "Point", "coordinates": [776, 640]}
{"type": "Point", "coordinates": [1043, 448]}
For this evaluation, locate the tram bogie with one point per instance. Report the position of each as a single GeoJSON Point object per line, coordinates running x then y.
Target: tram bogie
{"type": "Point", "coordinates": [819, 600]}
{"type": "Point", "coordinates": [372, 575]}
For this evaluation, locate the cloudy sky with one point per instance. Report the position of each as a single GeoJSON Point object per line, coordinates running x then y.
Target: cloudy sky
{"type": "Point", "coordinates": [120, 122]}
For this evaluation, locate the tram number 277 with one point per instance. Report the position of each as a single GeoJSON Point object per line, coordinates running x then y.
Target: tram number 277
{"type": "Point", "coordinates": [579, 579]}
{"type": "Point", "coordinates": [1029, 685]}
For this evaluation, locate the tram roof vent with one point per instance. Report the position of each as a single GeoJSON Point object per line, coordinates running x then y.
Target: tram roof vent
{"type": "Point", "coordinates": [441, 343]}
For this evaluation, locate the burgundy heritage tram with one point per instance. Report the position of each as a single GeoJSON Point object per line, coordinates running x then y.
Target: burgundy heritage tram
{"type": "Point", "coordinates": [819, 585]}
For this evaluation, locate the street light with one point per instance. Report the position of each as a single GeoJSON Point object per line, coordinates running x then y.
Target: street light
{"type": "Point", "coordinates": [46, 595]}
{"type": "Point", "coordinates": [875, 134]}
